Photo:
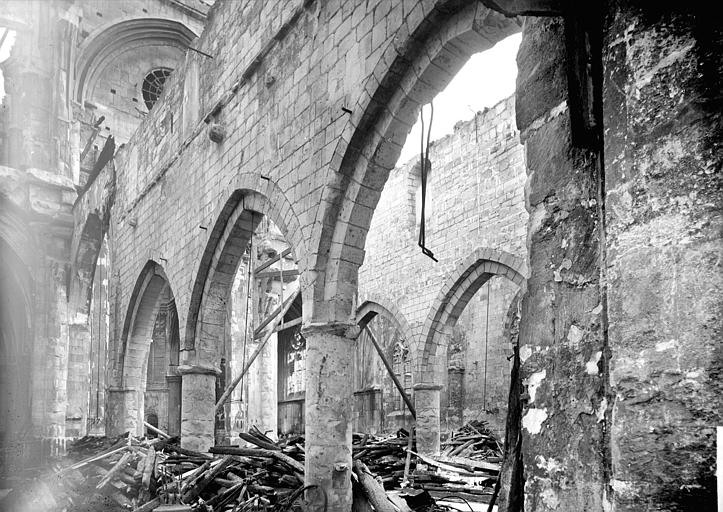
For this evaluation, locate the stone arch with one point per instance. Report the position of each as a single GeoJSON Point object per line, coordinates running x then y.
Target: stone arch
{"type": "Point", "coordinates": [455, 294]}
{"type": "Point", "coordinates": [234, 225]}
{"type": "Point", "coordinates": [86, 250]}
{"type": "Point", "coordinates": [413, 68]}
{"type": "Point", "coordinates": [378, 306]}
{"type": "Point", "coordinates": [139, 320]}
{"type": "Point", "coordinates": [107, 41]}
{"type": "Point", "coordinates": [383, 407]}
{"type": "Point", "coordinates": [151, 289]}
{"type": "Point", "coordinates": [16, 347]}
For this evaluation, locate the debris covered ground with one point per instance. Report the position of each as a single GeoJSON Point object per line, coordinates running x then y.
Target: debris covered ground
{"type": "Point", "coordinates": [258, 474]}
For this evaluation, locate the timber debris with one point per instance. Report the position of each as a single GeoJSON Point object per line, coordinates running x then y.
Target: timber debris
{"type": "Point", "coordinates": [259, 474]}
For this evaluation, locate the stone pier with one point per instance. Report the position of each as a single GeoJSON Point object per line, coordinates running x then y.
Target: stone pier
{"type": "Point", "coordinates": [329, 355]}
{"type": "Point", "coordinates": [198, 392]}
{"type": "Point", "coordinates": [427, 403]}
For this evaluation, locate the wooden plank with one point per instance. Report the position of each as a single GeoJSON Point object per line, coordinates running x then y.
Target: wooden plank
{"type": "Point", "coordinates": [373, 490]}
{"type": "Point", "coordinates": [390, 369]}
{"type": "Point", "coordinates": [259, 452]}
{"type": "Point", "coordinates": [156, 430]}
{"type": "Point", "coordinates": [262, 344]}
{"type": "Point", "coordinates": [289, 275]}
{"type": "Point", "coordinates": [267, 264]}
{"type": "Point", "coordinates": [282, 309]}
{"type": "Point", "coordinates": [288, 325]}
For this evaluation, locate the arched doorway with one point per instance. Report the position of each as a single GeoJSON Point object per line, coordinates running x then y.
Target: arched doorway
{"type": "Point", "coordinates": [16, 343]}
{"type": "Point", "coordinates": [246, 294]}
{"type": "Point", "coordinates": [143, 327]}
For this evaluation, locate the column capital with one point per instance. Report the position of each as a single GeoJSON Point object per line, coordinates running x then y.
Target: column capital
{"type": "Point", "coordinates": [198, 369]}
{"type": "Point", "coordinates": [427, 386]}
{"type": "Point", "coordinates": [342, 330]}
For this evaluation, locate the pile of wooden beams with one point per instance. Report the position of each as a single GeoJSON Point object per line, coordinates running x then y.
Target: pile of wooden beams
{"type": "Point", "coordinates": [468, 466]}
{"type": "Point", "coordinates": [143, 475]}
{"type": "Point", "coordinates": [386, 457]}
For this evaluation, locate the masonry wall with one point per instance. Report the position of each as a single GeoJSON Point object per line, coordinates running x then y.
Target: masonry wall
{"type": "Point", "coordinates": [43, 130]}
{"type": "Point", "coordinates": [283, 131]}
{"type": "Point", "coordinates": [475, 199]}
{"type": "Point", "coordinates": [663, 182]}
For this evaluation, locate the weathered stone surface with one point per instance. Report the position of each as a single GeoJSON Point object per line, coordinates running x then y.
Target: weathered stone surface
{"type": "Point", "coordinates": [561, 335]}
{"type": "Point", "coordinates": [662, 166]}
{"type": "Point", "coordinates": [121, 411]}
{"type": "Point", "coordinates": [541, 82]}
{"type": "Point", "coordinates": [329, 413]}
{"type": "Point", "coordinates": [198, 401]}
{"type": "Point", "coordinates": [426, 401]}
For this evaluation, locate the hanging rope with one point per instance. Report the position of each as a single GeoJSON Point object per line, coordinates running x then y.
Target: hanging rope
{"type": "Point", "coordinates": [249, 277]}
{"type": "Point", "coordinates": [424, 157]}
{"type": "Point", "coordinates": [487, 327]}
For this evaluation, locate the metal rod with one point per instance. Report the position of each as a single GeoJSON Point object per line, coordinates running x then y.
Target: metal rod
{"type": "Point", "coordinates": [388, 365]}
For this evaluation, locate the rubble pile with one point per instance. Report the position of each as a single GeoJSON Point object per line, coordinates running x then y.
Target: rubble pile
{"type": "Point", "coordinates": [144, 475]}
{"type": "Point", "coordinates": [468, 466]}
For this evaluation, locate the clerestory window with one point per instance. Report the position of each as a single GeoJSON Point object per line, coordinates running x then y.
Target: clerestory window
{"type": "Point", "coordinates": [152, 87]}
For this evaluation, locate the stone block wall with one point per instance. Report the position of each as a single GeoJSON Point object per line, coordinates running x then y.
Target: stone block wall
{"type": "Point", "coordinates": [475, 199]}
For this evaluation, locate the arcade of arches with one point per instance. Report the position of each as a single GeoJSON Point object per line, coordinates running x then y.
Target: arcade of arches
{"type": "Point", "coordinates": [204, 228]}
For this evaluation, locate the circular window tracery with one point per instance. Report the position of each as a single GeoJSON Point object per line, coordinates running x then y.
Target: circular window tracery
{"type": "Point", "coordinates": [152, 87]}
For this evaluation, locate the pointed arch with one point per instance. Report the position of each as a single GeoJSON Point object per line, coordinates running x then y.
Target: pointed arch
{"type": "Point", "coordinates": [86, 249]}
{"type": "Point", "coordinates": [105, 44]}
{"type": "Point", "coordinates": [232, 230]}
{"type": "Point", "coordinates": [466, 279]}
{"type": "Point", "coordinates": [414, 67]}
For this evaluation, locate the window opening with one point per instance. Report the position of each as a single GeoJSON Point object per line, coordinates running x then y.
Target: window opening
{"type": "Point", "coordinates": [153, 84]}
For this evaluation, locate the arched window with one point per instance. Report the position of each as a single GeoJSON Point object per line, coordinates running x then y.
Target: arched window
{"type": "Point", "coordinates": [152, 87]}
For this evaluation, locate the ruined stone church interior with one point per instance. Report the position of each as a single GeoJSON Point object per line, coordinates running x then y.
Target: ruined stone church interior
{"type": "Point", "coordinates": [243, 267]}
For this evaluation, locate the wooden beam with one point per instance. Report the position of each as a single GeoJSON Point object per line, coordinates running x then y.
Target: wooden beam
{"type": "Point", "coordinates": [266, 321]}
{"type": "Point", "coordinates": [388, 365]}
{"type": "Point", "coordinates": [289, 274]}
{"type": "Point", "coordinates": [288, 325]}
{"type": "Point", "coordinates": [274, 321]}
{"type": "Point", "coordinates": [267, 264]}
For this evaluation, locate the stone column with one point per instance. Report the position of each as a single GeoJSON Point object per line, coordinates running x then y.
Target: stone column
{"type": "Point", "coordinates": [122, 412]}
{"type": "Point", "coordinates": [198, 401]}
{"type": "Point", "coordinates": [174, 382]}
{"type": "Point", "coordinates": [426, 401]}
{"type": "Point", "coordinates": [268, 380]}
{"type": "Point", "coordinates": [662, 118]}
{"type": "Point", "coordinates": [262, 381]}
{"type": "Point", "coordinates": [329, 353]}
{"type": "Point", "coordinates": [455, 400]}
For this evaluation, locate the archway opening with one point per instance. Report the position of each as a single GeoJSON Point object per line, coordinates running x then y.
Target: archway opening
{"type": "Point", "coordinates": [244, 305]}
{"type": "Point", "coordinates": [89, 334]}
{"type": "Point", "coordinates": [263, 336]}
{"type": "Point", "coordinates": [479, 350]}
{"type": "Point", "coordinates": [15, 362]}
{"type": "Point", "coordinates": [379, 406]}
{"type": "Point", "coordinates": [162, 394]}
{"type": "Point", "coordinates": [143, 327]}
